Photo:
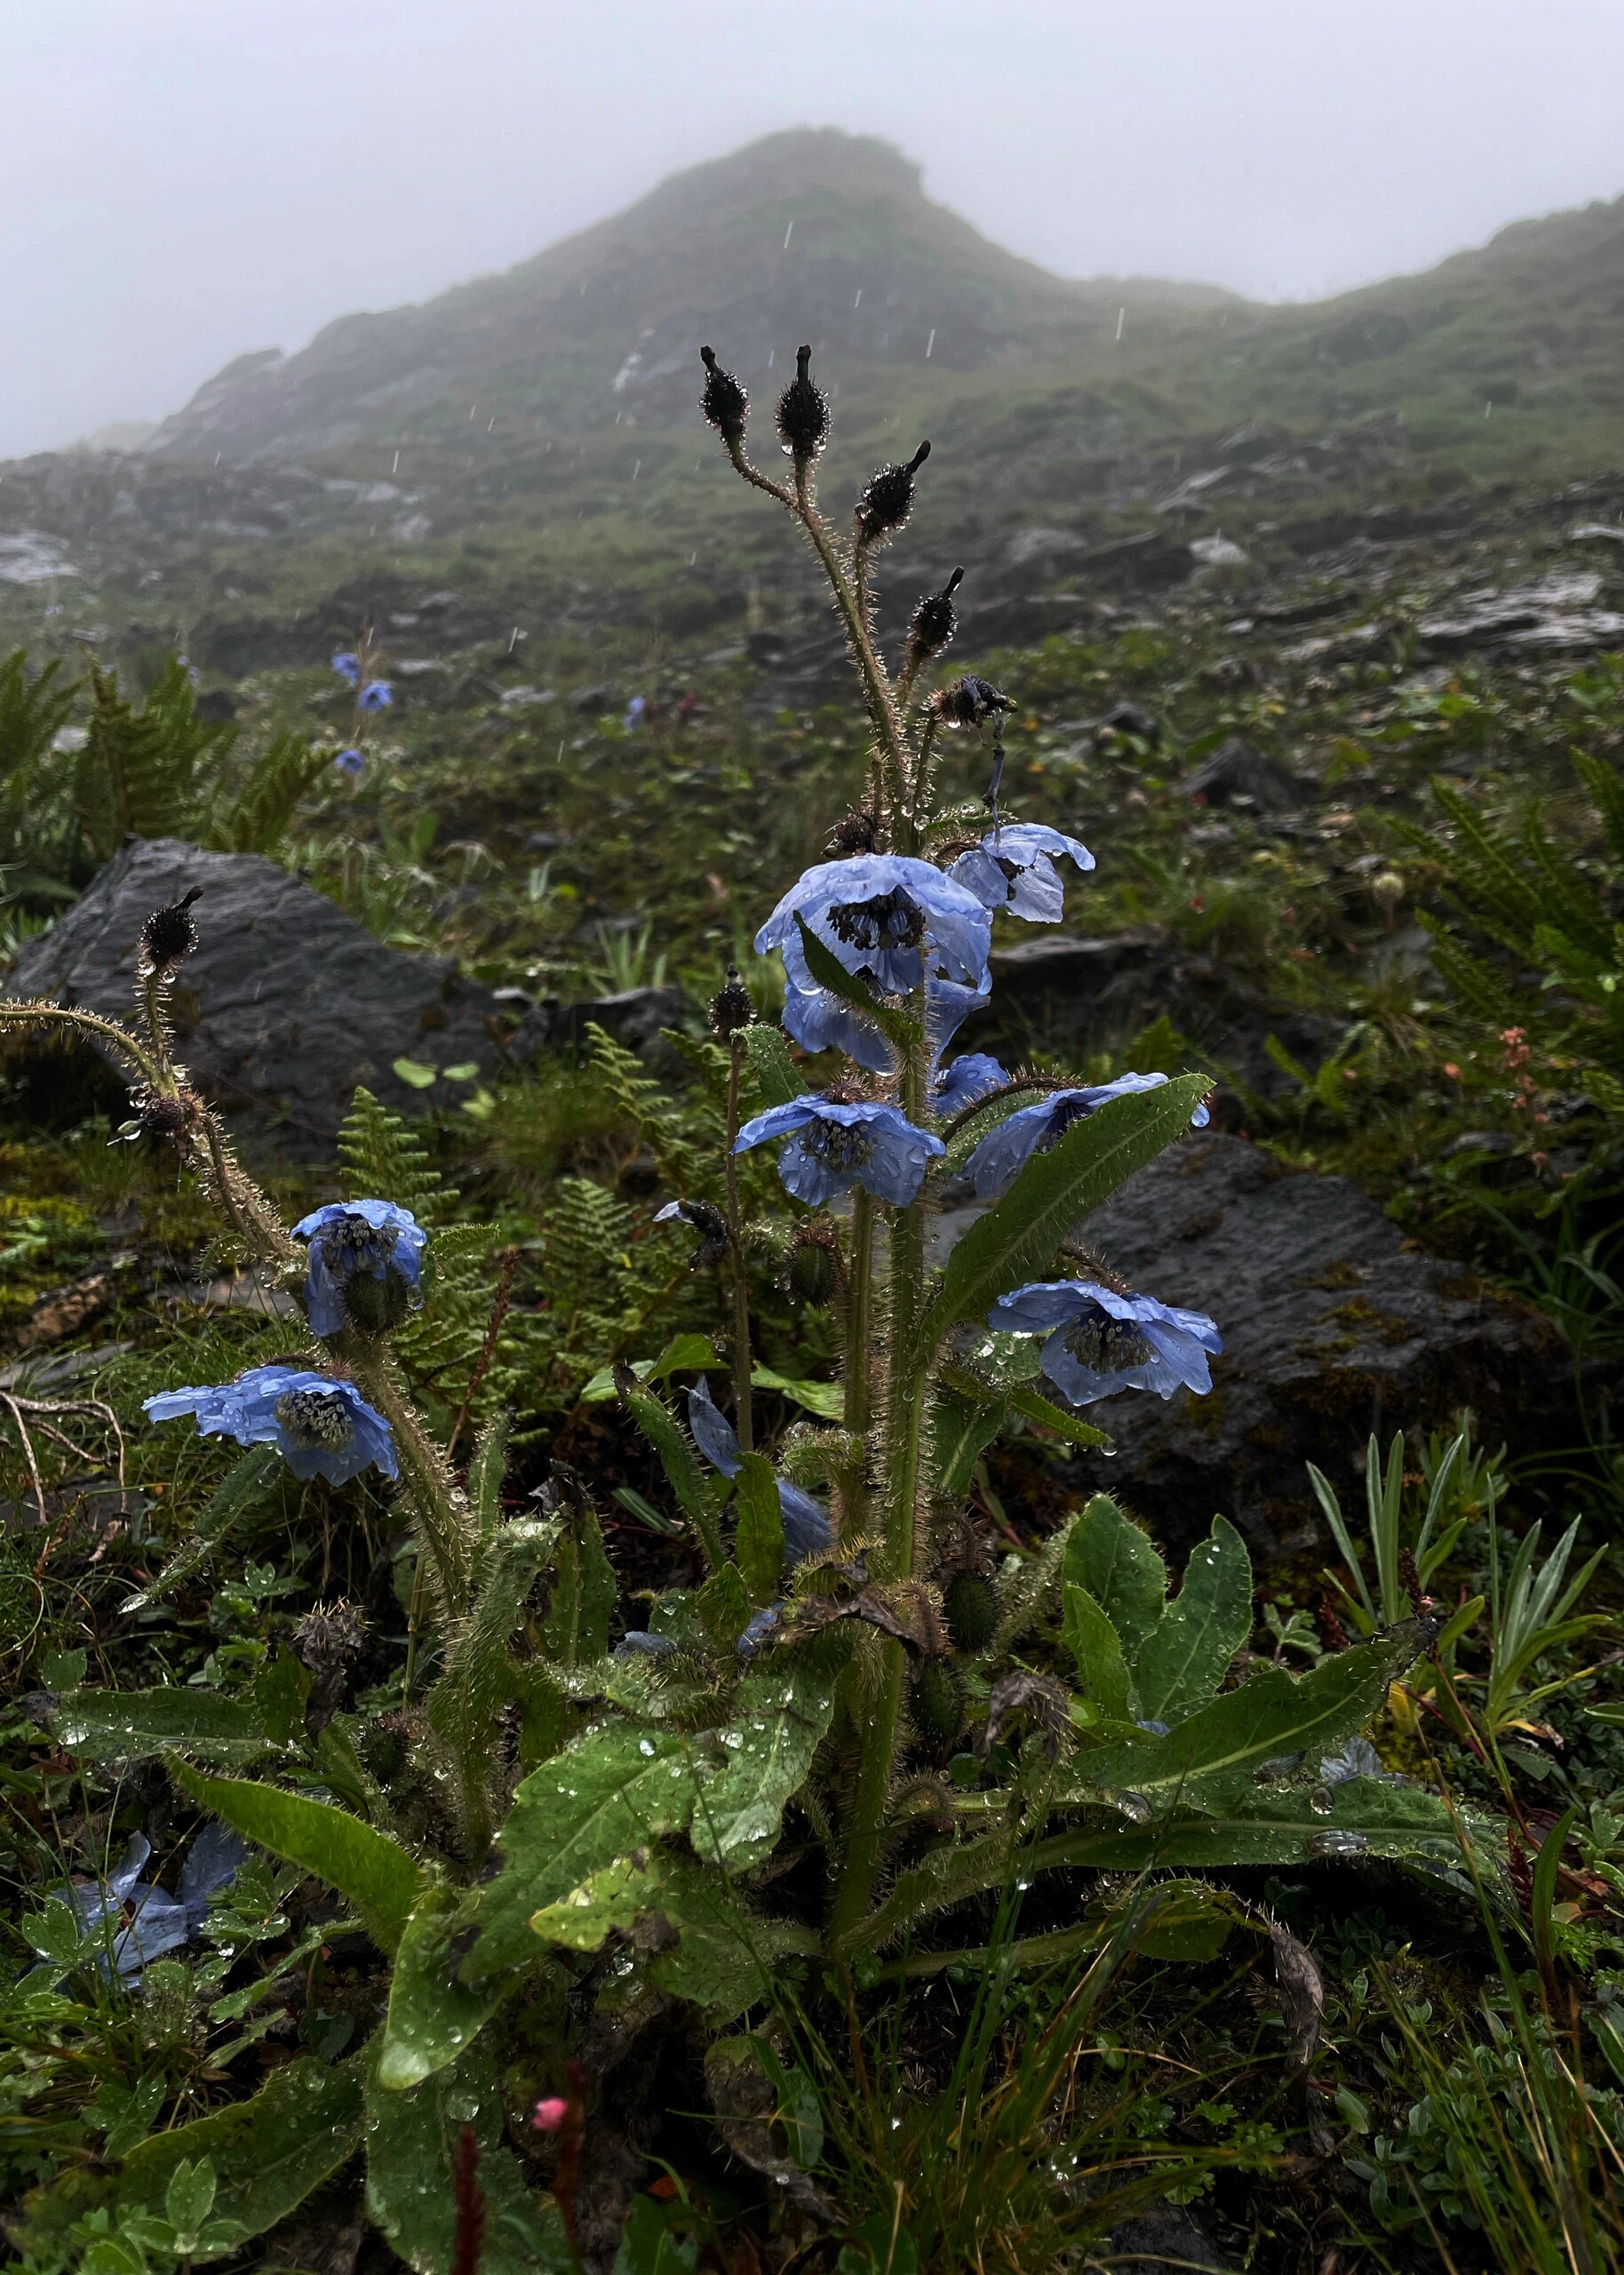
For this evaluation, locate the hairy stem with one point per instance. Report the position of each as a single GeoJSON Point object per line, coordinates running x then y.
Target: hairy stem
{"type": "Point", "coordinates": [891, 740]}
{"type": "Point", "coordinates": [859, 1358]}
{"type": "Point", "coordinates": [746, 1422]}
{"type": "Point", "coordinates": [152, 1072]}
{"type": "Point", "coordinates": [875, 1718]}
{"type": "Point", "coordinates": [443, 1526]}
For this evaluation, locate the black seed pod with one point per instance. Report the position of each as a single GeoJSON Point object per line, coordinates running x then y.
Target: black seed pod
{"type": "Point", "coordinates": [812, 1271]}
{"type": "Point", "coordinates": [730, 1007]}
{"type": "Point", "coordinates": [803, 413]}
{"type": "Point", "coordinates": [167, 939]}
{"type": "Point", "coordinates": [724, 402]}
{"type": "Point", "coordinates": [971, 1604]}
{"type": "Point", "coordinates": [858, 833]}
{"type": "Point", "coordinates": [934, 620]}
{"type": "Point", "coordinates": [171, 1119]}
{"type": "Point", "coordinates": [886, 498]}
{"type": "Point", "coordinates": [971, 701]}
{"type": "Point", "coordinates": [936, 1701]}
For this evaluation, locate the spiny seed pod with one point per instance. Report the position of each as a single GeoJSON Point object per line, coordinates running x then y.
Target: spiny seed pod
{"type": "Point", "coordinates": [858, 833]}
{"type": "Point", "coordinates": [803, 413]}
{"type": "Point", "coordinates": [971, 702]}
{"type": "Point", "coordinates": [813, 1269]}
{"type": "Point", "coordinates": [377, 1303]}
{"type": "Point", "coordinates": [724, 402]}
{"type": "Point", "coordinates": [887, 498]}
{"type": "Point", "coordinates": [935, 621]}
{"type": "Point", "coordinates": [171, 1119]}
{"type": "Point", "coordinates": [970, 1602]}
{"type": "Point", "coordinates": [936, 1701]}
{"type": "Point", "coordinates": [167, 939]}
{"type": "Point", "coordinates": [731, 1009]}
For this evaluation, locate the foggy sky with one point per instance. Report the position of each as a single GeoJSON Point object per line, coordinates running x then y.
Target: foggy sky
{"type": "Point", "coordinates": [190, 178]}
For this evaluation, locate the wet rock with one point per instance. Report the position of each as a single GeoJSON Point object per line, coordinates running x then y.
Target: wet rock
{"type": "Point", "coordinates": [1163, 2237]}
{"type": "Point", "coordinates": [635, 1017]}
{"type": "Point", "coordinates": [1552, 615]}
{"type": "Point", "coordinates": [288, 1002]}
{"type": "Point", "coordinates": [1332, 1328]}
{"type": "Point", "coordinates": [1238, 771]}
{"type": "Point", "coordinates": [1218, 552]}
{"type": "Point", "coordinates": [1126, 718]}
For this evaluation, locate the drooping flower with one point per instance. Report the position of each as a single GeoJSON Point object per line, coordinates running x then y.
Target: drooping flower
{"type": "Point", "coordinates": [964, 1080]}
{"type": "Point", "coordinates": [1033, 1129]}
{"type": "Point", "coordinates": [377, 695]}
{"type": "Point", "coordinates": [365, 1267]}
{"type": "Point", "coordinates": [808, 1530]}
{"type": "Point", "coordinates": [348, 667]}
{"type": "Point", "coordinates": [884, 914]}
{"type": "Point", "coordinates": [1101, 1341]}
{"type": "Point", "coordinates": [320, 1425]}
{"type": "Point", "coordinates": [833, 1147]}
{"type": "Point", "coordinates": [351, 764]}
{"type": "Point", "coordinates": [150, 1920]}
{"type": "Point", "coordinates": [707, 1221]}
{"type": "Point", "coordinates": [1016, 867]}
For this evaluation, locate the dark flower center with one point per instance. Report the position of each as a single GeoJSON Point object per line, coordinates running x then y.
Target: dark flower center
{"type": "Point", "coordinates": [843, 1146]}
{"type": "Point", "coordinates": [352, 1246]}
{"type": "Point", "coordinates": [891, 920]}
{"type": "Point", "coordinates": [316, 1420]}
{"type": "Point", "coordinates": [1107, 1346]}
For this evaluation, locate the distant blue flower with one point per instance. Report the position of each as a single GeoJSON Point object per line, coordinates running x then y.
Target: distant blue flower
{"type": "Point", "coordinates": [962, 1081]}
{"type": "Point", "coordinates": [806, 1528]}
{"type": "Point", "coordinates": [1100, 1341]}
{"type": "Point", "coordinates": [351, 764]}
{"type": "Point", "coordinates": [357, 1240]}
{"type": "Point", "coordinates": [377, 695]}
{"type": "Point", "coordinates": [635, 709]}
{"type": "Point", "coordinates": [884, 914]}
{"type": "Point", "coordinates": [152, 1921]}
{"type": "Point", "coordinates": [639, 1643]}
{"type": "Point", "coordinates": [833, 1147]}
{"type": "Point", "coordinates": [320, 1425]}
{"type": "Point", "coordinates": [1016, 867]}
{"type": "Point", "coordinates": [348, 667]}
{"type": "Point", "coordinates": [1033, 1129]}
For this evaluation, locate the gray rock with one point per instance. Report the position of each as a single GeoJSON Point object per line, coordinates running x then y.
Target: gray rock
{"type": "Point", "coordinates": [1551, 615]}
{"type": "Point", "coordinates": [1332, 1328]}
{"type": "Point", "coordinates": [1164, 2237]}
{"type": "Point", "coordinates": [1238, 771]}
{"type": "Point", "coordinates": [634, 1017]}
{"type": "Point", "coordinates": [288, 1002]}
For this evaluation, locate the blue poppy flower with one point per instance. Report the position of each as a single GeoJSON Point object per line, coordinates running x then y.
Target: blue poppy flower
{"type": "Point", "coordinates": [1100, 1341]}
{"type": "Point", "coordinates": [150, 1921]}
{"type": "Point", "coordinates": [377, 695]}
{"type": "Point", "coordinates": [1016, 867]}
{"type": "Point", "coordinates": [818, 1020]}
{"type": "Point", "coordinates": [350, 764]}
{"type": "Point", "coordinates": [884, 914]}
{"type": "Point", "coordinates": [351, 1240]}
{"type": "Point", "coordinates": [1033, 1129]}
{"type": "Point", "coordinates": [348, 667]}
{"type": "Point", "coordinates": [833, 1147]}
{"type": "Point", "coordinates": [807, 1527]}
{"type": "Point", "coordinates": [962, 1081]}
{"type": "Point", "coordinates": [320, 1425]}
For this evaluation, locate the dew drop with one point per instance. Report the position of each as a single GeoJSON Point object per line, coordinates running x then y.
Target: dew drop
{"type": "Point", "coordinates": [1320, 1801]}
{"type": "Point", "coordinates": [1338, 1844]}
{"type": "Point", "coordinates": [645, 1745]}
{"type": "Point", "coordinates": [1135, 1806]}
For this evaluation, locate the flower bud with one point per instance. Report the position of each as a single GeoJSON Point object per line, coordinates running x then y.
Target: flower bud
{"type": "Point", "coordinates": [886, 498]}
{"type": "Point", "coordinates": [724, 402]}
{"type": "Point", "coordinates": [731, 1008]}
{"type": "Point", "coordinates": [803, 413]}
{"type": "Point", "coordinates": [812, 1271]}
{"type": "Point", "coordinates": [167, 939]}
{"type": "Point", "coordinates": [970, 1604]}
{"type": "Point", "coordinates": [936, 1701]}
{"type": "Point", "coordinates": [934, 621]}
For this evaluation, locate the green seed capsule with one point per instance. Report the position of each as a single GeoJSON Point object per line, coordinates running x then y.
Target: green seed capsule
{"type": "Point", "coordinates": [812, 1271]}
{"type": "Point", "coordinates": [936, 1701]}
{"type": "Point", "coordinates": [971, 1605]}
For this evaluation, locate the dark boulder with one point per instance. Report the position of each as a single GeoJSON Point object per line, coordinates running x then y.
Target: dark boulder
{"type": "Point", "coordinates": [1332, 1328]}
{"type": "Point", "coordinates": [1237, 773]}
{"type": "Point", "coordinates": [635, 1017]}
{"type": "Point", "coordinates": [288, 1002]}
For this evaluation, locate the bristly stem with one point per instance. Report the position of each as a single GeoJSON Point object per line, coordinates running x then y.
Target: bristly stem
{"type": "Point", "coordinates": [442, 1514]}
{"type": "Point", "coordinates": [745, 1420]}
{"type": "Point", "coordinates": [157, 1079]}
{"type": "Point", "coordinates": [893, 744]}
{"type": "Point", "coordinates": [859, 1358]}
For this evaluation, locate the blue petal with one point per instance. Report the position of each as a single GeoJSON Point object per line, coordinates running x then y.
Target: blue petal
{"type": "Point", "coordinates": [808, 1527]}
{"type": "Point", "coordinates": [777, 1121]}
{"type": "Point", "coordinates": [962, 1081]}
{"type": "Point", "coordinates": [958, 929]}
{"type": "Point", "coordinates": [638, 1643]}
{"type": "Point", "coordinates": [714, 1433]}
{"type": "Point", "coordinates": [1032, 850]}
{"type": "Point", "coordinates": [818, 1020]}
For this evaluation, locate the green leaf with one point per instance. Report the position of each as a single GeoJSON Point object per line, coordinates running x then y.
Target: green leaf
{"type": "Point", "coordinates": [659, 1426]}
{"type": "Point", "coordinates": [723, 1957]}
{"type": "Point", "coordinates": [1035, 1407]}
{"type": "Point", "coordinates": [114, 1725]}
{"type": "Point", "coordinates": [1363, 1818]}
{"type": "Point", "coordinates": [722, 1608]}
{"type": "Point", "coordinates": [613, 1791]}
{"type": "Point", "coordinates": [770, 1063]}
{"type": "Point", "coordinates": [432, 2016]}
{"type": "Point", "coordinates": [853, 987]}
{"type": "Point", "coordinates": [1017, 1238]}
{"type": "Point", "coordinates": [758, 1539]}
{"type": "Point", "coordinates": [411, 2140]}
{"type": "Point", "coordinates": [1183, 1663]}
{"type": "Point", "coordinates": [247, 1485]}
{"type": "Point", "coordinates": [281, 1689]}
{"type": "Point", "coordinates": [768, 1742]}
{"type": "Point", "coordinates": [1097, 1649]}
{"type": "Point", "coordinates": [827, 1400]}
{"type": "Point", "coordinates": [584, 1594]}
{"type": "Point", "coordinates": [1122, 1569]}
{"type": "Point", "coordinates": [55, 1933]}
{"type": "Point", "coordinates": [414, 1073]}
{"type": "Point", "coordinates": [372, 1871]}
{"type": "Point", "coordinates": [963, 1428]}
{"type": "Point", "coordinates": [1212, 1757]}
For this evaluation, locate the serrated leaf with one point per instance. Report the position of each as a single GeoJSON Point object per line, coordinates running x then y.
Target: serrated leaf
{"type": "Point", "coordinates": [770, 1063]}
{"type": "Point", "coordinates": [411, 2140]}
{"type": "Point", "coordinates": [1122, 1569]}
{"type": "Point", "coordinates": [369, 1869]}
{"type": "Point", "coordinates": [108, 1725]}
{"type": "Point", "coordinates": [758, 1538]}
{"type": "Point", "coordinates": [1097, 1649]}
{"type": "Point", "coordinates": [432, 2017]}
{"type": "Point", "coordinates": [767, 1744]}
{"type": "Point", "coordinates": [1016, 1240]}
{"type": "Point", "coordinates": [1185, 1659]}
{"type": "Point", "coordinates": [613, 1791]}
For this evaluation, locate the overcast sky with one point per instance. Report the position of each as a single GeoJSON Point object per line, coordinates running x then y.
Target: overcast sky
{"type": "Point", "coordinates": [189, 179]}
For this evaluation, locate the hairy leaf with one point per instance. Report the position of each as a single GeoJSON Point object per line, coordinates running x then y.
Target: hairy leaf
{"type": "Point", "coordinates": [1363, 1818]}
{"type": "Point", "coordinates": [1122, 1569]}
{"type": "Point", "coordinates": [108, 1725]}
{"type": "Point", "coordinates": [432, 2016]}
{"type": "Point", "coordinates": [758, 1539]}
{"type": "Point", "coordinates": [1097, 1647]}
{"type": "Point", "coordinates": [771, 1065]}
{"type": "Point", "coordinates": [962, 1429]}
{"type": "Point", "coordinates": [1182, 1662]}
{"type": "Point", "coordinates": [412, 2139]}
{"type": "Point", "coordinates": [767, 1744]}
{"type": "Point", "coordinates": [683, 1474]}
{"type": "Point", "coordinates": [853, 987]}
{"type": "Point", "coordinates": [369, 1869]}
